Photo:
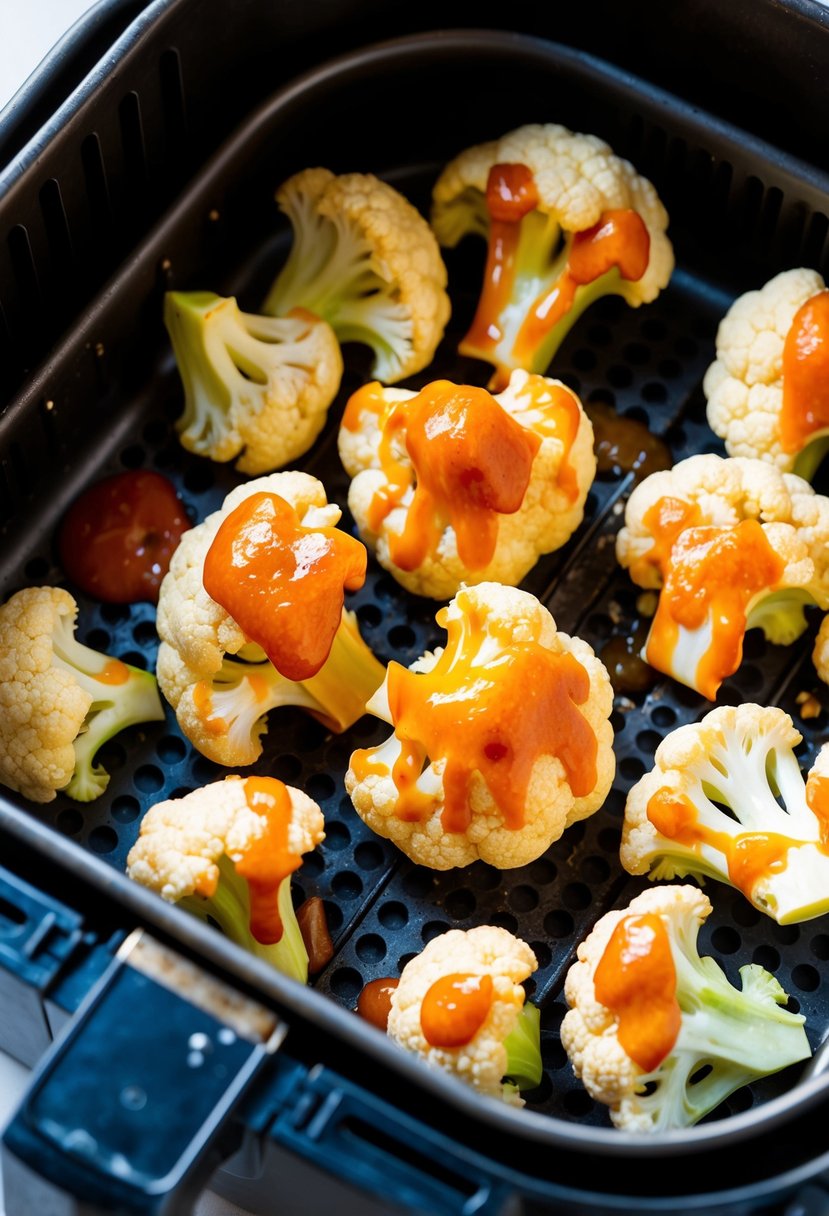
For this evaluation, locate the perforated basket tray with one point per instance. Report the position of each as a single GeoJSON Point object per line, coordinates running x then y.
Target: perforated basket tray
{"type": "Point", "coordinates": [108, 398]}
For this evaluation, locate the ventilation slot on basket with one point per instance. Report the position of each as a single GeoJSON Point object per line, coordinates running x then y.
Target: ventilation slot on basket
{"type": "Point", "coordinates": [132, 138]}
{"type": "Point", "coordinates": [97, 192]}
{"type": "Point", "coordinates": [57, 228]}
{"type": "Point", "coordinates": [172, 100]}
{"type": "Point", "coordinates": [25, 273]}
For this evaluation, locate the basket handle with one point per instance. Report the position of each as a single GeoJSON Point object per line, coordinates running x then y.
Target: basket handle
{"type": "Point", "coordinates": [132, 1108]}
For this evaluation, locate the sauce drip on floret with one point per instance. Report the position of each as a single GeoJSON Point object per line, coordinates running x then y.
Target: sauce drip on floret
{"type": "Point", "coordinates": [710, 576]}
{"type": "Point", "coordinates": [282, 583]}
{"type": "Point", "coordinates": [267, 861]}
{"type": "Point", "coordinates": [471, 463]}
{"type": "Point", "coordinates": [636, 980]}
{"type": "Point", "coordinates": [805, 408]}
{"type": "Point", "coordinates": [495, 718]}
{"type": "Point", "coordinates": [455, 1008]}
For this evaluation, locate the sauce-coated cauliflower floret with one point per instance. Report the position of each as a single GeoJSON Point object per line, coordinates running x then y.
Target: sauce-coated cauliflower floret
{"type": "Point", "coordinates": [219, 683]}
{"type": "Point", "coordinates": [481, 1061]}
{"type": "Point", "coordinates": [567, 222]}
{"type": "Point", "coordinates": [507, 730]}
{"type": "Point", "coordinates": [365, 260]}
{"type": "Point", "coordinates": [741, 758]}
{"type": "Point", "coordinates": [453, 486]}
{"type": "Point", "coordinates": [733, 544]}
{"type": "Point", "coordinates": [61, 701]}
{"type": "Point", "coordinates": [225, 853]}
{"type": "Point", "coordinates": [754, 388]}
{"type": "Point", "coordinates": [644, 1058]}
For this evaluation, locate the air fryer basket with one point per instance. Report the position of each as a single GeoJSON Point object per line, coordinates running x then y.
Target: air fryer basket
{"type": "Point", "coordinates": [107, 399]}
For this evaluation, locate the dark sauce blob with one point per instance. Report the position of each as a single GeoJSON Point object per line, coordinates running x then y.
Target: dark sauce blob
{"type": "Point", "coordinates": [629, 674]}
{"type": "Point", "coordinates": [374, 1002]}
{"type": "Point", "coordinates": [623, 445]}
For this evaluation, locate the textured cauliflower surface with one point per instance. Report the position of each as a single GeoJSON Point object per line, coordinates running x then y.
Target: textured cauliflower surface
{"type": "Point", "coordinates": [486, 950]}
{"type": "Point", "coordinates": [378, 237]}
{"type": "Point", "coordinates": [42, 706]}
{"type": "Point", "coordinates": [196, 633]}
{"type": "Point", "coordinates": [182, 839]}
{"type": "Point", "coordinates": [744, 386]}
{"type": "Point", "coordinates": [589, 1029]}
{"type": "Point", "coordinates": [510, 616]}
{"type": "Point", "coordinates": [547, 518]}
{"type": "Point", "coordinates": [795, 519]}
{"type": "Point", "coordinates": [577, 178]}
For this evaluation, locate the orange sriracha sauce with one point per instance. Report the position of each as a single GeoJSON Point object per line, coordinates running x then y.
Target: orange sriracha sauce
{"type": "Point", "coordinates": [805, 409]}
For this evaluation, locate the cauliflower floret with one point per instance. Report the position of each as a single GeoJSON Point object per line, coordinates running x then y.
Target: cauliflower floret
{"type": "Point", "coordinates": [741, 758]}
{"type": "Point", "coordinates": [61, 701]}
{"type": "Point", "coordinates": [222, 686]}
{"type": "Point", "coordinates": [225, 853]}
{"type": "Point", "coordinates": [365, 260]}
{"type": "Point", "coordinates": [735, 529]}
{"type": "Point", "coordinates": [507, 730]}
{"type": "Point", "coordinates": [447, 517]}
{"type": "Point", "coordinates": [567, 222]}
{"type": "Point", "coordinates": [482, 1061]}
{"type": "Point", "coordinates": [739, 1035]}
{"type": "Point", "coordinates": [256, 385]}
{"type": "Point", "coordinates": [744, 386]}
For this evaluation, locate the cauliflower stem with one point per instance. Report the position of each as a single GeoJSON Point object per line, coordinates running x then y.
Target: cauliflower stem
{"type": "Point", "coordinates": [229, 908]}
{"type": "Point", "coordinates": [523, 1045]}
{"type": "Point", "coordinates": [128, 699]}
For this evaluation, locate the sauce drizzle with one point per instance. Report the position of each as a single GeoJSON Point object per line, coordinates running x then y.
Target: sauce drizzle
{"type": "Point", "coordinates": [805, 407]}
{"type": "Point", "coordinates": [267, 861]}
{"type": "Point", "coordinates": [455, 1008]}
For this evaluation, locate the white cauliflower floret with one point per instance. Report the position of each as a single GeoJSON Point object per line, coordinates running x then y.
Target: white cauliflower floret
{"type": "Point", "coordinates": [378, 454]}
{"type": "Point", "coordinates": [483, 1061]}
{"type": "Point", "coordinates": [365, 260]}
{"type": "Point", "coordinates": [741, 758]}
{"type": "Point", "coordinates": [193, 851]}
{"type": "Point", "coordinates": [531, 193]}
{"type": "Point", "coordinates": [744, 386]}
{"type": "Point", "coordinates": [61, 701]}
{"type": "Point", "coordinates": [462, 724]}
{"type": "Point", "coordinates": [220, 685]}
{"type": "Point", "coordinates": [256, 385]}
{"type": "Point", "coordinates": [787, 571]}
{"type": "Point", "coordinates": [739, 1035]}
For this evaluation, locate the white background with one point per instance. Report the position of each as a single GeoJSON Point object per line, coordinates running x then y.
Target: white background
{"type": "Point", "coordinates": [26, 38]}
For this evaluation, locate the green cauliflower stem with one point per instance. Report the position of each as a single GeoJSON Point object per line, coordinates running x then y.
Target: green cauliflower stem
{"type": "Point", "coordinates": [738, 760]}
{"type": "Point", "coordinates": [524, 1065]}
{"type": "Point", "coordinates": [781, 615]}
{"type": "Point", "coordinates": [256, 385]}
{"type": "Point", "coordinates": [728, 1037]}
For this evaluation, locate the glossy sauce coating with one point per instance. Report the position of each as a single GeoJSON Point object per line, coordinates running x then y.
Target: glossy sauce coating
{"type": "Point", "coordinates": [374, 1002]}
{"type": "Point", "coordinates": [624, 445]}
{"type": "Point", "coordinates": [268, 860]}
{"type": "Point", "coordinates": [471, 463]}
{"type": "Point", "coordinates": [636, 981]}
{"type": "Point", "coordinates": [496, 720]}
{"type": "Point", "coordinates": [455, 1008]}
{"type": "Point", "coordinates": [117, 538]}
{"type": "Point", "coordinates": [710, 574]}
{"type": "Point", "coordinates": [805, 409]}
{"type": "Point", "coordinates": [749, 856]}
{"type": "Point", "coordinates": [282, 583]}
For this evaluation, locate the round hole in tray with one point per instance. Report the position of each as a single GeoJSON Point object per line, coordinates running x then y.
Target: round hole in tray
{"type": "Point", "coordinates": [595, 871]}
{"type": "Point", "coordinates": [636, 352]}
{"type": "Point", "coordinates": [578, 1103]}
{"type": "Point", "coordinates": [98, 639]}
{"type": "Point", "coordinates": [369, 615]}
{"type": "Point", "coordinates": [171, 749]}
{"type": "Point", "coordinates": [654, 392]}
{"type": "Point", "coordinates": [523, 898]}
{"type": "Point", "coordinates": [741, 1101]}
{"type": "Point", "coordinates": [599, 335]}
{"type": "Point", "coordinates": [115, 614]}
{"type": "Point", "coordinates": [393, 915]}
{"type": "Point", "coordinates": [558, 924]}
{"type": "Point", "coordinates": [543, 871]}
{"type": "Point", "coordinates": [125, 809]}
{"type": "Point", "coordinates": [744, 913]}
{"type": "Point", "coordinates": [820, 946]}
{"type": "Point", "coordinates": [654, 330]}
{"type": "Point", "coordinates": [333, 915]}
{"type": "Point", "coordinates": [144, 634]}
{"type": "Point", "coordinates": [632, 768]}
{"type": "Point", "coordinates": [199, 479]}
{"type": "Point", "coordinates": [726, 940]}
{"type": "Point", "coordinates": [337, 836]}
{"type": "Point", "coordinates": [404, 961]}
{"type": "Point", "coordinates": [346, 983]}
{"type": "Point", "coordinates": [103, 839]}
{"type": "Point", "coordinates": [418, 882]}
{"type": "Point", "coordinates": [320, 787]}
{"type": "Point", "coordinates": [371, 948]}
{"type": "Point", "coordinates": [313, 864]}
{"type": "Point", "coordinates": [543, 954]}
{"type": "Point", "coordinates": [505, 920]}
{"type": "Point", "coordinates": [663, 716]}
{"type": "Point", "coordinates": [369, 855]}
{"type": "Point", "coordinates": [584, 359]}
{"type": "Point", "coordinates": [669, 368]}
{"type": "Point", "coordinates": [205, 770]}
{"type": "Point", "coordinates": [619, 375]}
{"type": "Point", "coordinates": [609, 839]}
{"type": "Point", "coordinates": [553, 1054]}
{"type": "Point", "coordinates": [401, 637]}
{"type": "Point", "coordinates": [786, 934]}
{"type": "Point", "coordinates": [806, 977]}
{"type": "Point", "coordinates": [288, 769]}
{"type": "Point", "coordinates": [69, 822]}
{"type": "Point", "coordinates": [648, 741]}
{"type": "Point", "coordinates": [766, 956]}
{"type": "Point", "coordinates": [433, 929]}
{"type": "Point", "coordinates": [347, 885]}
{"type": "Point", "coordinates": [135, 659]}
{"type": "Point", "coordinates": [686, 347]}
{"type": "Point", "coordinates": [460, 904]}
{"type": "Point", "coordinates": [577, 895]}
{"type": "Point", "coordinates": [148, 779]}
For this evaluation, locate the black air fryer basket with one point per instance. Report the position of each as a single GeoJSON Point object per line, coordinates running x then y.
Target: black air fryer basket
{"type": "Point", "coordinates": [125, 196]}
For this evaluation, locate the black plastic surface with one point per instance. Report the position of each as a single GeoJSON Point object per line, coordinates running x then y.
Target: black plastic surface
{"type": "Point", "coordinates": [110, 396]}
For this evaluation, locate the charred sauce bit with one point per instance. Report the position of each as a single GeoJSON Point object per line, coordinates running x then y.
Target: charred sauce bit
{"type": "Point", "coordinates": [374, 1002]}
{"type": "Point", "coordinates": [282, 583]}
{"type": "Point", "coordinates": [313, 925]}
{"type": "Point", "coordinates": [117, 538]}
{"type": "Point", "coordinates": [624, 445]}
{"type": "Point", "coordinates": [710, 574]}
{"type": "Point", "coordinates": [471, 463]}
{"type": "Point", "coordinates": [495, 719]}
{"type": "Point", "coordinates": [636, 981]}
{"type": "Point", "coordinates": [805, 407]}
{"type": "Point", "coordinates": [455, 1008]}
{"type": "Point", "coordinates": [268, 860]}
{"type": "Point", "coordinates": [749, 856]}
